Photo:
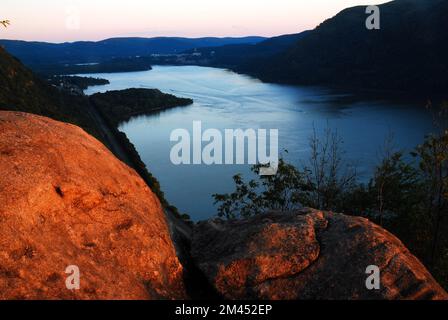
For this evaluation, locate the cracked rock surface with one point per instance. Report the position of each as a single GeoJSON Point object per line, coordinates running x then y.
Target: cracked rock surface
{"type": "Point", "coordinates": [66, 200]}
{"type": "Point", "coordinates": [307, 254]}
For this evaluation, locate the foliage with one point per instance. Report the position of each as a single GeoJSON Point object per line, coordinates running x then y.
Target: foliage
{"type": "Point", "coordinates": [394, 186]}
{"type": "Point", "coordinates": [327, 176]}
{"type": "Point", "coordinates": [433, 155]}
{"type": "Point", "coordinates": [119, 106]}
{"type": "Point", "coordinates": [75, 81]}
{"type": "Point", "coordinates": [282, 191]}
{"type": "Point", "coordinates": [322, 183]}
{"type": "Point", "coordinates": [130, 64]}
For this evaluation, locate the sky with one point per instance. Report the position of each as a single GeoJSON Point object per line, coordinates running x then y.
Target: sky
{"type": "Point", "coordinates": [73, 20]}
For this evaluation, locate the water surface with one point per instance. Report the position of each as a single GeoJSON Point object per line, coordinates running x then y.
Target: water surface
{"type": "Point", "coordinates": [226, 100]}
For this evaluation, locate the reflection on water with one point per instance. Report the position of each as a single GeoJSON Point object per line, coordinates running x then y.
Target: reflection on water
{"type": "Point", "coordinates": [226, 100]}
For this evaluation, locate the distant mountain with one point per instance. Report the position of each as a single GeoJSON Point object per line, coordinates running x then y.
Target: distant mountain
{"type": "Point", "coordinates": [409, 52]}
{"type": "Point", "coordinates": [234, 55]}
{"type": "Point", "coordinates": [37, 53]}
{"type": "Point", "coordinates": [130, 64]}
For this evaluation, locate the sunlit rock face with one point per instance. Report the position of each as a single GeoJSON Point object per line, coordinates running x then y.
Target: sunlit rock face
{"type": "Point", "coordinates": [65, 200]}
{"type": "Point", "coordinates": [308, 254]}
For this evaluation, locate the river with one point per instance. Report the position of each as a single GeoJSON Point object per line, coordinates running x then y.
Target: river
{"type": "Point", "coordinates": [226, 100]}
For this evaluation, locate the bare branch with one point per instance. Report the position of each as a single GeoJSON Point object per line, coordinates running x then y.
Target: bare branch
{"type": "Point", "coordinates": [5, 23]}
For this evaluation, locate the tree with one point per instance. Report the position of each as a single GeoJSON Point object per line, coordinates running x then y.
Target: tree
{"type": "Point", "coordinates": [433, 155]}
{"type": "Point", "coordinates": [395, 184]}
{"type": "Point", "coordinates": [322, 183]}
{"type": "Point", "coordinates": [284, 191]}
{"type": "Point", "coordinates": [328, 176]}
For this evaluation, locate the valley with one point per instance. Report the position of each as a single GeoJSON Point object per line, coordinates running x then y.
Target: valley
{"type": "Point", "coordinates": [137, 168]}
{"type": "Point", "coordinates": [224, 99]}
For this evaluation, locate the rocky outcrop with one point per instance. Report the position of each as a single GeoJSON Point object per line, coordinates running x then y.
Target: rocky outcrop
{"type": "Point", "coordinates": [308, 255]}
{"type": "Point", "coordinates": [66, 200]}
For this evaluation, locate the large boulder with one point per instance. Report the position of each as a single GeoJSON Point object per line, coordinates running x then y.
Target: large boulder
{"type": "Point", "coordinates": [66, 200]}
{"type": "Point", "coordinates": [308, 254]}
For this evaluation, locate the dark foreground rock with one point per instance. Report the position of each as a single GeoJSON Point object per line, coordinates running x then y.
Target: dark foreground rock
{"type": "Point", "coordinates": [308, 255]}
{"type": "Point", "coordinates": [66, 200]}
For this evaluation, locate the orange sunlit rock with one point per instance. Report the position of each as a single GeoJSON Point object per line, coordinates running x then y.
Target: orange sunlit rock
{"type": "Point", "coordinates": [308, 254]}
{"type": "Point", "coordinates": [66, 200]}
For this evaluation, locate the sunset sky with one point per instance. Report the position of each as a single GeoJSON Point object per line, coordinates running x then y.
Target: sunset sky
{"type": "Point", "coordinates": [71, 20]}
